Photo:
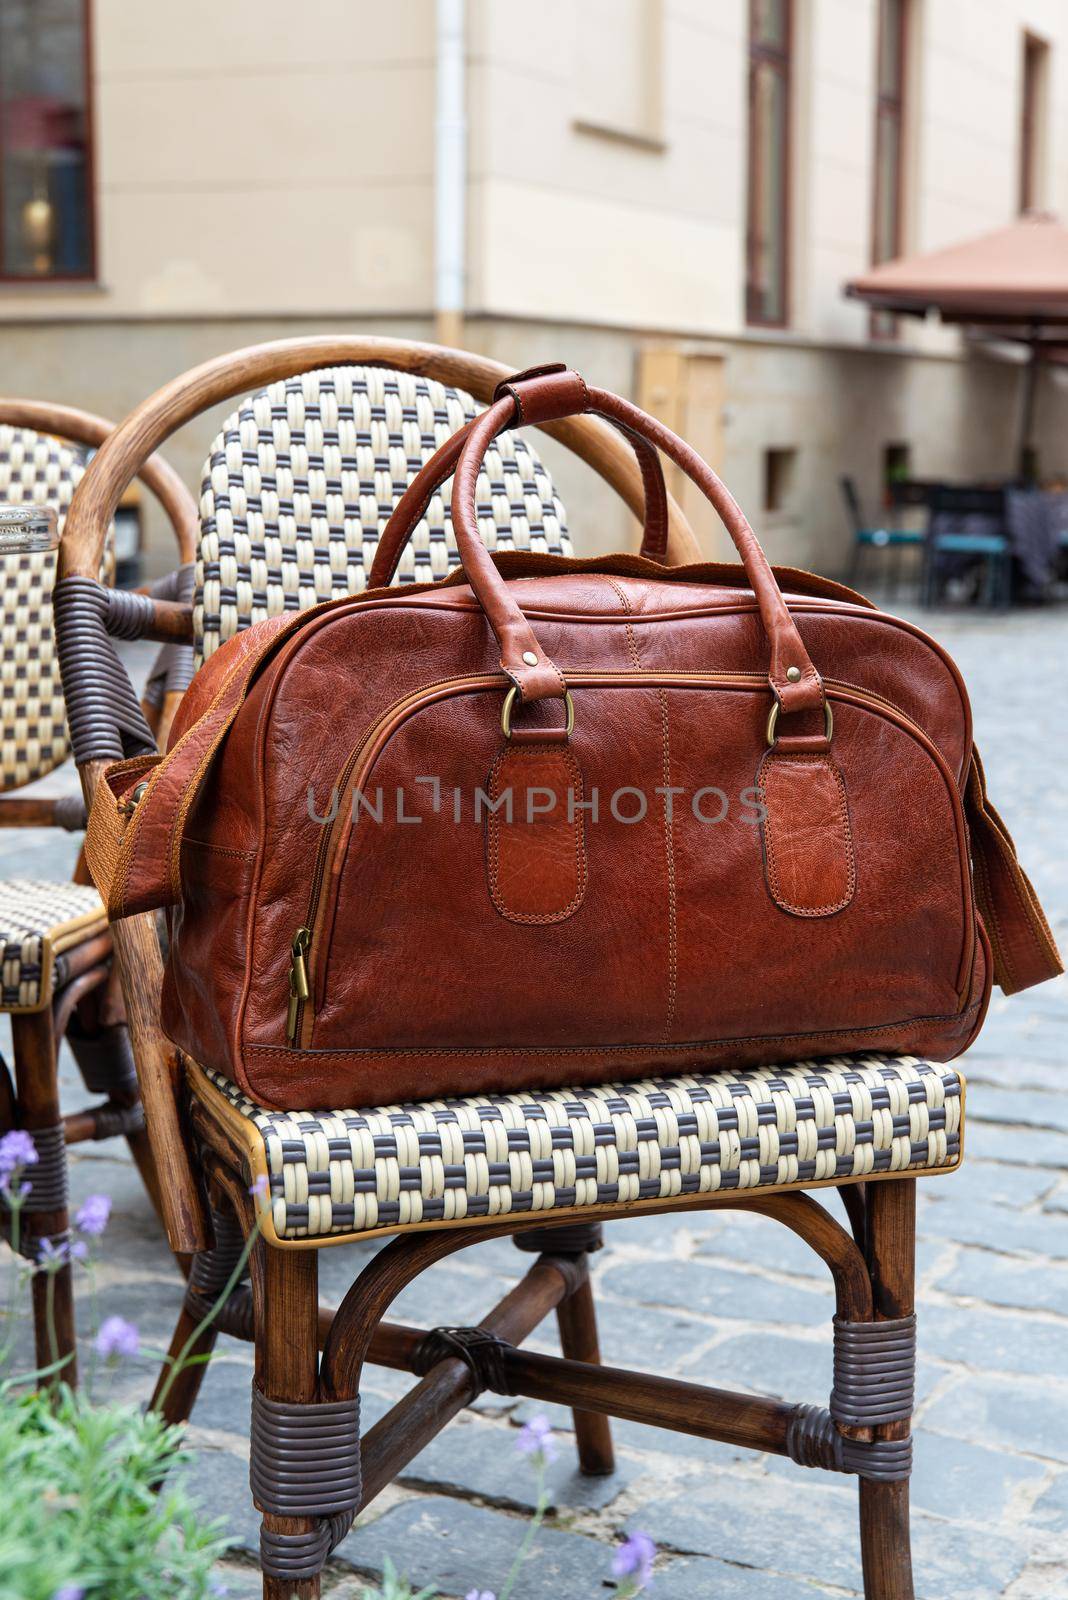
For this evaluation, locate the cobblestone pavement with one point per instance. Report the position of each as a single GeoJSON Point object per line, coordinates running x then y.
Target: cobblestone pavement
{"type": "Point", "coordinates": [738, 1302]}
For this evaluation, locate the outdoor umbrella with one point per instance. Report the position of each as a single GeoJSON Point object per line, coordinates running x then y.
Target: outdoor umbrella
{"type": "Point", "coordinates": [1009, 284]}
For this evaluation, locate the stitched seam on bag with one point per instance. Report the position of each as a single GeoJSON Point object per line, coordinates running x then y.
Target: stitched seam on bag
{"type": "Point", "coordinates": [493, 830]}
{"type": "Point", "coordinates": [219, 849]}
{"type": "Point", "coordinates": [608, 1049]}
{"type": "Point", "coordinates": [669, 837]}
{"type": "Point", "coordinates": [846, 835]}
{"type": "Point", "coordinates": [669, 853]}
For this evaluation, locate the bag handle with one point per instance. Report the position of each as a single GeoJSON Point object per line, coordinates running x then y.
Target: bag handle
{"type": "Point", "coordinates": [548, 395]}
{"type": "Point", "coordinates": [411, 508]}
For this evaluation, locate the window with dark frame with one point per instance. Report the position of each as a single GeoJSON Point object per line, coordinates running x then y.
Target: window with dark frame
{"type": "Point", "coordinates": [889, 178]}
{"type": "Point", "coordinates": [46, 157]}
{"type": "Point", "coordinates": [768, 221]}
{"type": "Point", "coordinates": [1035, 53]}
{"type": "Point", "coordinates": [780, 472]}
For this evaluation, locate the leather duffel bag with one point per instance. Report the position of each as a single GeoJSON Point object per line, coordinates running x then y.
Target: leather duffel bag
{"type": "Point", "coordinates": [558, 821]}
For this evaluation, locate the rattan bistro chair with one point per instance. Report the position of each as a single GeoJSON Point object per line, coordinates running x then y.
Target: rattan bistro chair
{"type": "Point", "coordinates": [546, 1168]}
{"type": "Point", "coordinates": [304, 475]}
{"type": "Point", "coordinates": [55, 945]}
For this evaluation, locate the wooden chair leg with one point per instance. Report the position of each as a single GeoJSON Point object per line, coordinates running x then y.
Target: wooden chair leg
{"type": "Point", "coordinates": [287, 1370]}
{"type": "Point", "coordinates": [209, 1273]}
{"type": "Point", "coordinates": [576, 1318]}
{"type": "Point", "coordinates": [884, 1507]}
{"type": "Point", "coordinates": [45, 1215]}
{"type": "Point", "coordinates": [105, 1061]}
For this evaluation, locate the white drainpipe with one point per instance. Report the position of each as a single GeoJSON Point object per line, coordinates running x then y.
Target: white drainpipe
{"type": "Point", "coordinates": [450, 174]}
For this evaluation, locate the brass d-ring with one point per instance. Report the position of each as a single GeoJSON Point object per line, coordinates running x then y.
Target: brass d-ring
{"type": "Point", "coordinates": [773, 721]}
{"type": "Point", "coordinates": [509, 702]}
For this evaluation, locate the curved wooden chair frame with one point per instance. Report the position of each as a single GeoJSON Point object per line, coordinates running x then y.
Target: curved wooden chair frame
{"type": "Point", "coordinates": [311, 1473]}
{"type": "Point", "coordinates": [99, 1040]}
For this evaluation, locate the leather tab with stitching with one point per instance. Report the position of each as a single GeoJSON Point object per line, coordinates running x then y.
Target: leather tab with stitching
{"type": "Point", "coordinates": [535, 836]}
{"type": "Point", "coordinates": [809, 862]}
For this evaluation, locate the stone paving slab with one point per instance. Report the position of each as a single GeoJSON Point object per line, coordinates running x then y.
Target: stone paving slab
{"type": "Point", "coordinates": [734, 1300]}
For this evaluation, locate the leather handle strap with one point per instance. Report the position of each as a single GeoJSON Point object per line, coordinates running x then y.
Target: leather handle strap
{"type": "Point", "coordinates": [1023, 946]}
{"type": "Point", "coordinates": [551, 396]}
{"type": "Point", "coordinates": [411, 508]}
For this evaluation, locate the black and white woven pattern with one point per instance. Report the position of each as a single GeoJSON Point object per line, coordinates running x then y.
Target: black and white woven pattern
{"type": "Point", "coordinates": [303, 477]}
{"type": "Point", "coordinates": [37, 922]}
{"type": "Point", "coordinates": [35, 469]}
{"type": "Point", "coordinates": [356, 1172]}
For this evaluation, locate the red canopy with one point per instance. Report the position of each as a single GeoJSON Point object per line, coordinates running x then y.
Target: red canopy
{"type": "Point", "coordinates": [1015, 275]}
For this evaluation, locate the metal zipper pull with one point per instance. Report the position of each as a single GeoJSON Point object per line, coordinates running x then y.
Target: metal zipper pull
{"type": "Point", "coordinates": [129, 806]}
{"type": "Point", "coordinates": [298, 981]}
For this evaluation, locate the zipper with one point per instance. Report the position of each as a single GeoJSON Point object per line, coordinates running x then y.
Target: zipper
{"type": "Point", "coordinates": [304, 962]}
{"type": "Point", "coordinates": [298, 980]}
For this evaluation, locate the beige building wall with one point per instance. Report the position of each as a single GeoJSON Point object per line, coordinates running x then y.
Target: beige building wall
{"type": "Point", "coordinates": [248, 166]}
{"type": "Point", "coordinates": [257, 179]}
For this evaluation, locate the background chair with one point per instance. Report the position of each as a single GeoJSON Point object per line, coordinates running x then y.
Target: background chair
{"type": "Point", "coordinates": [968, 529]}
{"type": "Point", "coordinates": [868, 537]}
{"type": "Point", "coordinates": [444, 1177]}
{"type": "Point", "coordinates": [54, 941]}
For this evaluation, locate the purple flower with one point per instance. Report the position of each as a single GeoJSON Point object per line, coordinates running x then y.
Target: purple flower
{"type": "Point", "coordinates": [536, 1439]}
{"type": "Point", "coordinates": [92, 1216]}
{"type": "Point", "coordinates": [69, 1591]}
{"type": "Point", "coordinates": [117, 1337]}
{"type": "Point", "coordinates": [634, 1559]}
{"type": "Point", "coordinates": [55, 1253]}
{"type": "Point", "coordinates": [480, 1594]}
{"type": "Point", "coordinates": [260, 1187]}
{"type": "Point", "coordinates": [17, 1150]}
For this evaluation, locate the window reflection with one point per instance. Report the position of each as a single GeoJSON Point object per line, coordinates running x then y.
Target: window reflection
{"type": "Point", "coordinates": [45, 158]}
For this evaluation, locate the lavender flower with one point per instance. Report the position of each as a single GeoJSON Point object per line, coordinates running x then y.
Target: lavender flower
{"type": "Point", "coordinates": [69, 1591]}
{"type": "Point", "coordinates": [634, 1560]}
{"type": "Point", "coordinates": [117, 1338]}
{"type": "Point", "coordinates": [260, 1188]}
{"type": "Point", "coordinates": [480, 1594]}
{"type": "Point", "coordinates": [55, 1253]}
{"type": "Point", "coordinates": [92, 1216]}
{"type": "Point", "coordinates": [17, 1150]}
{"type": "Point", "coordinates": [536, 1439]}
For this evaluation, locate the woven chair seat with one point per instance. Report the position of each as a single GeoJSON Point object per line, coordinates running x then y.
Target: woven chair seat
{"type": "Point", "coordinates": [38, 921]}
{"type": "Point", "coordinates": [348, 1174]}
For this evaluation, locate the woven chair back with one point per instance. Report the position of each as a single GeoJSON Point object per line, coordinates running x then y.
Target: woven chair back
{"type": "Point", "coordinates": [303, 476]}
{"type": "Point", "coordinates": [35, 469]}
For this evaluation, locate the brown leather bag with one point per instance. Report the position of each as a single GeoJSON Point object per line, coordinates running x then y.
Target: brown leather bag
{"type": "Point", "coordinates": [592, 820]}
